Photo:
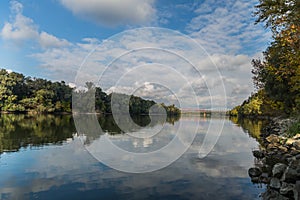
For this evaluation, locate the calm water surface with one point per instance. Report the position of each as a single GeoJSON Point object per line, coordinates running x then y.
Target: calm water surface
{"type": "Point", "coordinates": [43, 157]}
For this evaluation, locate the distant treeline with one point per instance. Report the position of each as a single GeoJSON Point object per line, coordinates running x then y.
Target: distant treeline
{"type": "Point", "coordinates": [25, 94]}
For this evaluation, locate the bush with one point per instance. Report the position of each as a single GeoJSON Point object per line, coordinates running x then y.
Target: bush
{"type": "Point", "coordinates": [294, 129]}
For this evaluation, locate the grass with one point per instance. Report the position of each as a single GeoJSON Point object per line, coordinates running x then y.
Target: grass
{"type": "Point", "coordinates": [294, 129]}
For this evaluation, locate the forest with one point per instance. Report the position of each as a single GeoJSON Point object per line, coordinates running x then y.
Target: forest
{"type": "Point", "coordinates": [277, 75]}
{"type": "Point", "coordinates": [20, 94]}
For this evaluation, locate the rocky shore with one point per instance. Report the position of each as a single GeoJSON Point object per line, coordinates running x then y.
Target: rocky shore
{"type": "Point", "coordinates": [277, 162]}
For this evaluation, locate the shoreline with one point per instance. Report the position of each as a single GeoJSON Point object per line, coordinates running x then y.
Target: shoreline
{"type": "Point", "coordinates": [277, 162]}
{"type": "Point", "coordinates": [77, 113]}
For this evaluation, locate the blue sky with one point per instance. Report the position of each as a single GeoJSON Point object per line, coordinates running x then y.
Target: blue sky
{"type": "Point", "coordinates": [51, 38]}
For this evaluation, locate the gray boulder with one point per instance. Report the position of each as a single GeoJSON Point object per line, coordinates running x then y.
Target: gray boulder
{"type": "Point", "coordinates": [271, 194]}
{"type": "Point", "coordinates": [275, 183]}
{"type": "Point", "coordinates": [254, 172]}
{"type": "Point", "coordinates": [278, 170]}
{"type": "Point", "coordinates": [297, 191]}
{"type": "Point", "coordinates": [258, 154]}
{"type": "Point", "coordinates": [287, 189]}
{"type": "Point", "coordinates": [292, 172]}
{"type": "Point", "coordinates": [296, 144]}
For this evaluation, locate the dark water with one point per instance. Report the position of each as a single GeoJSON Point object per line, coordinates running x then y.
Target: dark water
{"type": "Point", "coordinates": [43, 157]}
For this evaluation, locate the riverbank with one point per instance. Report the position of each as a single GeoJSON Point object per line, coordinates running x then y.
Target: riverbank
{"type": "Point", "coordinates": [277, 161]}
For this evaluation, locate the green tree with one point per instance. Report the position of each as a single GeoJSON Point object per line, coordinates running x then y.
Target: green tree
{"type": "Point", "coordinates": [11, 85]}
{"type": "Point", "coordinates": [44, 100]}
{"type": "Point", "coordinates": [278, 73]}
{"type": "Point", "coordinates": [19, 93]}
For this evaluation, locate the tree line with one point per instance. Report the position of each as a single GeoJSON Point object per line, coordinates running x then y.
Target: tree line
{"type": "Point", "coordinates": [26, 94]}
{"type": "Point", "coordinates": [277, 75]}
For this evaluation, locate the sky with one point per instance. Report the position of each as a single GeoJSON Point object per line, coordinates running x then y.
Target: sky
{"type": "Point", "coordinates": [195, 54]}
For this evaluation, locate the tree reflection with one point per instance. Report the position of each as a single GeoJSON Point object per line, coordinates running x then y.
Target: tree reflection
{"type": "Point", "coordinates": [251, 126]}
{"type": "Point", "coordinates": [21, 131]}
{"type": "Point", "coordinates": [108, 124]}
{"type": "Point", "coordinates": [17, 131]}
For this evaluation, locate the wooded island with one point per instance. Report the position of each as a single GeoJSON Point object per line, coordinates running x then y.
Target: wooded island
{"type": "Point", "coordinates": [25, 94]}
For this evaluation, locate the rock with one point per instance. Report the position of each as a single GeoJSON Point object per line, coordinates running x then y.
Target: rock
{"type": "Point", "coordinates": [290, 159]}
{"type": "Point", "coordinates": [292, 172]}
{"type": "Point", "coordinates": [273, 159]}
{"type": "Point", "coordinates": [282, 138]}
{"type": "Point", "coordinates": [273, 138]}
{"type": "Point", "coordinates": [254, 172]}
{"type": "Point", "coordinates": [255, 179]}
{"type": "Point", "coordinates": [266, 169]}
{"type": "Point", "coordinates": [275, 183]}
{"type": "Point", "coordinates": [276, 144]}
{"type": "Point", "coordinates": [294, 151]}
{"type": "Point", "coordinates": [264, 175]}
{"type": "Point", "coordinates": [278, 169]}
{"type": "Point", "coordinates": [282, 149]}
{"type": "Point", "coordinates": [280, 197]}
{"type": "Point", "coordinates": [290, 175]}
{"type": "Point", "coordinates": [295, 164]}
{"type": "Point", "coordinates": [258, 154]}
{"type": "Point", "coordinates": [276, 130]}
{"type": "Point", "coordinates": [297, 191]}
{"type": "Point", "coordinates": [296, 144]}
{"type": "Point", "coordinates": [287, 157]}
{"type": "Point", "coordinates": [297, 136]}
{"type": "Point", "coordinates": [289, 141]}
{"type": "Point", "coordinates": [293, 148]}
{"type": "Point", "coordinates": [264, 178]}
{"type": "Point", "coordinates": [270, 194]}
{"type": "Point", "coordinates": [287, 189]}
{"type": "Point", "coordinates": [264, 161]}
{"type": "Point", "coordinates": [271, 147]}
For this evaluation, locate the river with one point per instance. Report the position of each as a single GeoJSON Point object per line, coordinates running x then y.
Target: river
{"type": "Point", "coordinates": [45, 157]}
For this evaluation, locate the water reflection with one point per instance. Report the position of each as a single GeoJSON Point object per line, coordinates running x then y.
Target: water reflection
{"type": "Point", "coordinates": [17, 131]}
{"type": "Point", "coordinates": [251, 126]}
{"type": "Point", "coordinates": [255, 127]}
{"type": "Point", "coordinates": [65, 170]}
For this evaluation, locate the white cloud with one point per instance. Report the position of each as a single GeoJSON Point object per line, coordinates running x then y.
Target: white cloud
{"type": "Point", "coordinates": [228, 27]}
{"type": "Point", "coordinates": [225, 62]}
{"type": "Point", "coordinates": [227, 31]}
{"type": "Point", "coordinates": [16, 7]}
{"type": "Point", "coordinates": [59, 166]}
{"type": "Point", "coordinates": [114, 12]}
{"type": "Point", "coordinates": [223, 32]}
{"type": "Point", "coordinates": [63, 63]}
{"type": "Point", "coordinates": [46, 41]}
{"type": "Point", "coordinates": [22, 29]}
{"type": "Point", "coordinates": [125, 75]}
